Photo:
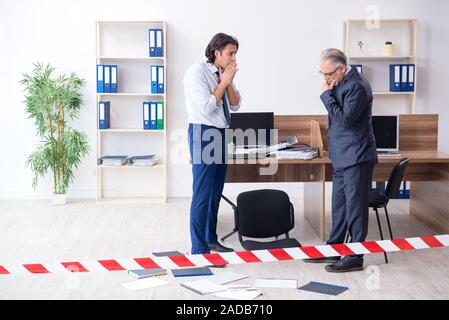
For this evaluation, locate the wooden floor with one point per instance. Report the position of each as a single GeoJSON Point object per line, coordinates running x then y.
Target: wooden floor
{"type": "Point", "coordinates": [36, 231]}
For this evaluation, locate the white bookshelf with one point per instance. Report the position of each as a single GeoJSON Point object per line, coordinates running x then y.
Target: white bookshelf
{"type": "Point", "coordinates": [390, 93]}
{"type": "Point", "coordinates": [156, 59]}
{"type": "Point", "coordinates": [123, 130]}
{"type": "Point", "coordinates": [157, 166]}
{"type": "Point", "coordinates": [130, 94]}
{"type": "Point", "coordinates": [403, 34]}
{"type": "Point", "coordinates": [126, 44]}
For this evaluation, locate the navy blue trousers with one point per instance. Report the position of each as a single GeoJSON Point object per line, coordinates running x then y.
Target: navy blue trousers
{"type": "Point", "coordinates": [209, 172]}
{"type": "Point", "coordinates": [350, 188]}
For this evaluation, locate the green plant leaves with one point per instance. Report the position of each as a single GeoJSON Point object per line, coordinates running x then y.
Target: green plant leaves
{"type": "Point", "coordinates": [50, 100]}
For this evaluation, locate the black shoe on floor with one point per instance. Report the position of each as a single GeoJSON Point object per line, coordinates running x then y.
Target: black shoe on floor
{"type": "Point", "coordinates": [323, 260]}
{"type": "Point", "coordinates": [218, 247]}
{"type": "Point", "coordinates": [345, 265]}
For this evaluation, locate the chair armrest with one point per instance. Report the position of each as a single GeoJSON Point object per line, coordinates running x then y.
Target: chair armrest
{"type": "Point", "coordinates": [292, 215]}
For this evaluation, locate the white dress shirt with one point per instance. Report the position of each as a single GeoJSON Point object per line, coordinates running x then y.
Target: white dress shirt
{"type": "Point", "coordinates": [348, 68]}
{"type": "Point", "coordinates": [200, 83]}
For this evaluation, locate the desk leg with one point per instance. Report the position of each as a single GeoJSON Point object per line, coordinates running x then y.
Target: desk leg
{"type": "Point", "coordinates": [314, 200]}
{"type": "Point", "coordinates": [429, 200]}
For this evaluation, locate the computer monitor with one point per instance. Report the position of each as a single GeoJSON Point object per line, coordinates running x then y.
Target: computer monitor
{"type": "Point", "coordinates": [261, 125]}
{"type": "Point", "coordinates": [386, 132]}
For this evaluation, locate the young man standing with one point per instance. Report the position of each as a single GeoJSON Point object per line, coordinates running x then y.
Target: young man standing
{"type": "Point", "coordinates": [210, 93]}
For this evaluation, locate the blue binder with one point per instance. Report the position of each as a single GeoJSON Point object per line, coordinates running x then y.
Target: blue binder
{"type": "Point", "coordinates": [107, 78]}
{"type": "Point", "coordinates": [159, 43]}
{"type": "Point", "coordinates": [104, 115]}
{"type": "Point", "coordinates": [114, 77]}
{"type": "Point", "coordinates": [160, 115]}
{"type": "Point", "coordinates": [152, 40]}
{"type": "Point", "coordinates": [146, 115]}
{"type": "Point", "coordinates": [404, 77]}
{"type": "Point", "coordinates": [191, 272]}
{"type": "Point", "coordinates": [153, 116]}
{"type": "Point", "coordinates": [411, 77]}
{"type": "Point", "coordinates": [160, 79]}
{"type": "Point", "coordinates": [395, 77]}
{"type": "Point", "coordinates": [153, 78]}
{"type": "Point", "coordinates": [100, 78]}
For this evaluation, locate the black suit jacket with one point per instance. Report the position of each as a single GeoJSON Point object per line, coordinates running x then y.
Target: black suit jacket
{"type": "Point", "coordinates": [350, 134]}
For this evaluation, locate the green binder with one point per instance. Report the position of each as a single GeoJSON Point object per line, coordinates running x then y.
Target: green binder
{"type": "Point", "coordinates": [160, 115]}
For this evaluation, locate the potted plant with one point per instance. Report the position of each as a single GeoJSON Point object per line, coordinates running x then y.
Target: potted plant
{"type": "Point", "coordinates": [50, 101]}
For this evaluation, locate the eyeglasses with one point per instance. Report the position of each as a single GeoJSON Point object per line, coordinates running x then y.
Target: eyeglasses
{"type": "Point", "coordinates": [330, 73]}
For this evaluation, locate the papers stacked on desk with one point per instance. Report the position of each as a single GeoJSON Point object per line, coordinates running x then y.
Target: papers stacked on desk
{"type": "Point", "coordinates": [147, 160]}
{"type": "Point", "coordinates": [301, 153]}
{"type": "Point", "coordinates": [263, 151]}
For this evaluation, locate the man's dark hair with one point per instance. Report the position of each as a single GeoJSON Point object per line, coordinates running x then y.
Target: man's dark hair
{"type": "Point", "coordinates": [219, 42]}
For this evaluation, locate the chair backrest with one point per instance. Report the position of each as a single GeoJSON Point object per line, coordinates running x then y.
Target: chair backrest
{"type": "Point", "coordinates": [264, 213]}
{"type": "Point", "coordinates": [396, 175]}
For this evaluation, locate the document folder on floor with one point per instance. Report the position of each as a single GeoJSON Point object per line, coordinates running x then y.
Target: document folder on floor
{"type": "Point", "coordinates": [145, 273]}
{"type": "Point", "coordinates": [323, 288]}
{"type": "Point", "coordinates": [192, 272]}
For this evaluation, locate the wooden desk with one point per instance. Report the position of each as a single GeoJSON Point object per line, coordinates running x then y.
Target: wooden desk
{"type": "Point", "coordinates": [428, 171]}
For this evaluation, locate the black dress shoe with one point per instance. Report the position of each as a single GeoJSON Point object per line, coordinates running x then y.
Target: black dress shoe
{"type": "Point", "coordinates": [323, 260]}
{"type": "Point", "coordinates": [217, 247]}
{"type": "Point", "coordinates": [345, 265]}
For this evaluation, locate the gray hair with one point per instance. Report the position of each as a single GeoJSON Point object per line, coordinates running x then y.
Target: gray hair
{"type": "Point", "coordinates": [335, 56]}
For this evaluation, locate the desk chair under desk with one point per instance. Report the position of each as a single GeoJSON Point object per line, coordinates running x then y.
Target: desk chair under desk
{"type": "Point", "coordinates": [428, 170]}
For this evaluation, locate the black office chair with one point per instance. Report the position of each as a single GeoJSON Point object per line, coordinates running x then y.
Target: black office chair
{"type": "Point", "coordinates": [264, 214]}
{"type": "Point", "coordinates": [378, 200]}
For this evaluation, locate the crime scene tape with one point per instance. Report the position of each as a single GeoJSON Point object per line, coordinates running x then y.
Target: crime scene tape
{"type": "Point", "coordinates": [238, 257]}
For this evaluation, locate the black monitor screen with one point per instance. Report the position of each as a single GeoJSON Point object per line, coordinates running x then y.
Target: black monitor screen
{"type": "Point", "coordinates": [386, 132]}
{"type": "Point", "coordinates": [256, 121]}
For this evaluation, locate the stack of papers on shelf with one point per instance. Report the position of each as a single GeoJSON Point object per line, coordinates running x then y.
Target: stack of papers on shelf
{"type": "Point", "coordinates": [147, 160]}
{"type": "Point", "coordinates": [112, 160]}
{"type": "Point", "coordinates": [302, 153]}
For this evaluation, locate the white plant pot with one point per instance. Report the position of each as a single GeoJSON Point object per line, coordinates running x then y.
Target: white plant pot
{"type": "Point", "coordinates": [59, 198]}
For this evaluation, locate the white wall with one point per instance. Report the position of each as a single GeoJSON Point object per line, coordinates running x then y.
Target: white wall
{"type": "Point", "coordinates": [278, 60]}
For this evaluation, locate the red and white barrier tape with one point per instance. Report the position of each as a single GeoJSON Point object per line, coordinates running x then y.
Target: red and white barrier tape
{"type": "Point", "coordinates": [198, 260]}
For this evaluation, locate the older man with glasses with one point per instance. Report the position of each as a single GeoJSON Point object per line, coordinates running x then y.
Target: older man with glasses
{"type": "Point", "coordinates": [348, 98]}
